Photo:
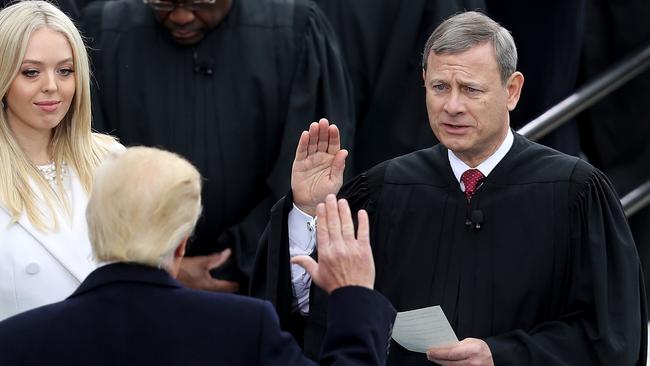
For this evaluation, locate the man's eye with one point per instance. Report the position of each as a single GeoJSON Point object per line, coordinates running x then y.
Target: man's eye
{"type": "Point", "coordinates": [440, 87]}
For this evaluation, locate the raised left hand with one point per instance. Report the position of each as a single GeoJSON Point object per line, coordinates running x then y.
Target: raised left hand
{"type": "Point", "coordinates": [469, 351]}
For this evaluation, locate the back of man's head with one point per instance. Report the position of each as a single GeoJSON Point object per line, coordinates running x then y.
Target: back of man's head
{"type": "Point", "coordinates": [144, 203]}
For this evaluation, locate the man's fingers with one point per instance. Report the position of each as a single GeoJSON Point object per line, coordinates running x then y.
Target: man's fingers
{"type": "Point", "coordinates": [334, 143]}
{"type": "Point", "coordinates": [323, 134]}
{"type": "Point", "coordinates": [313, 138]}
{"type": "Point", "coordinates": [456, 352]}
{"type": "Point", "coordinates": [347, 226]}
{"type": "Point", "coordinates": [306, 262]}
{"type": "Point", "coordinates": [338, 165]}
{"type": "Point", "coordinates": [217, 259]}
{"type": "Point", "coordinates": [333, 220]}
{"type": "Point", "coordinates": [303, 143]}
{"type": "Point", "coordinates": [223, 286]}
{"type": "Point", "coordinates": [322, 236]}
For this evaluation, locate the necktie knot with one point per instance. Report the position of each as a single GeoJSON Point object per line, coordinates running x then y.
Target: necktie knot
{"type": "Point", "coordinates": [471, 178]}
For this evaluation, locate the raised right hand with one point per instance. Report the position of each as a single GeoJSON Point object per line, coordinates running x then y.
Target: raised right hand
{"type": "Point", "coordinates": [318, 167]}
{"type": "Point", "coordinates": [343, 258]}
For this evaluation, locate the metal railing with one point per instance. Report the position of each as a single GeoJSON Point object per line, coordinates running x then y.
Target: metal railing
{"type": "Point", "coordinates": [637, 199]}
{"type": "Point", "coordinates": [585, 97]}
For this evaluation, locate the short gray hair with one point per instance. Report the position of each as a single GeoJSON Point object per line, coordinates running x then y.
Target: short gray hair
{"type": "Point", "coordinates": [465, 30]}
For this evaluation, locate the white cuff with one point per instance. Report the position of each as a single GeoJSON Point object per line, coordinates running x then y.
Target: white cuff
{"type": "Point", "coordinates": [302, 241]}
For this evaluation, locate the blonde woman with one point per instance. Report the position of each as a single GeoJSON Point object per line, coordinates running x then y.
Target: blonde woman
{"type": "Point", "coordinates": [48, 155]}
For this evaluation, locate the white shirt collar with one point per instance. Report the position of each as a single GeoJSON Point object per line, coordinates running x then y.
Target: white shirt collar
{"type": "Point", "coordinates": [486, 167]}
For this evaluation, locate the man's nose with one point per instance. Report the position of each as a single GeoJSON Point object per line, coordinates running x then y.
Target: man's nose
{"type": "Point", "coordinates": [454, 104]}
{"type": "Point", "coordinates": [181, 16]}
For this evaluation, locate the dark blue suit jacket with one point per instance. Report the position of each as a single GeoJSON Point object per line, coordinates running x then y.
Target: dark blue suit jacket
{"type": "Point", "coordinates": [127, 314]}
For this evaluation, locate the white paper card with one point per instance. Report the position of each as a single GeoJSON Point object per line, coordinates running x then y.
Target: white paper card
{"type": "Point", "coordinates": [420, 329]}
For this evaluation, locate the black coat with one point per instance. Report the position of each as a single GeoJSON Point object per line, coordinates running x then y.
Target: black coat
{"type": "Point", "coordinates": [126, 314]}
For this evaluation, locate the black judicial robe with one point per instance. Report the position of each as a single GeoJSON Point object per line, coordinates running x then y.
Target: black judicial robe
{"type": "Point", "coordinates": [552, 277]}
{"type": "Point", "coordinates": [233, 105]}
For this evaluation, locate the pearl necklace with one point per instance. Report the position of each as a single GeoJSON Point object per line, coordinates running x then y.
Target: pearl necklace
{"type": "Point", "coordinates": [49, 171]}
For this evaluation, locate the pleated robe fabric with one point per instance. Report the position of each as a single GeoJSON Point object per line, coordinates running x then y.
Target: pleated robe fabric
{"type": "Point", "coordinates": [551, 278]}
{"type": "Point", "coordinates": [275, 68]}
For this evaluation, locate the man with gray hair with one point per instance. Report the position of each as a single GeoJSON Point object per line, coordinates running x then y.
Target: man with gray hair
{"type": "Point", "coordinates": [526, 249]}
{"type": "Point", "coordinates": [131, 311]}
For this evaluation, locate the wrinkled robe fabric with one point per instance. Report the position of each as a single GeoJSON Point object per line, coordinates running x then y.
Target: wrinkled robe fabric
{"type": "Point", "coordinates": [275, 68]}
{"type": "Point", "coordinates": [551, 278]}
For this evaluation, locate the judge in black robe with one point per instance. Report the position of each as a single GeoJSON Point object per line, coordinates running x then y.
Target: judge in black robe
{"type": "Point", "coordinates": [551, 276]}
{"type": "Point", "coordinates": [232, 103]}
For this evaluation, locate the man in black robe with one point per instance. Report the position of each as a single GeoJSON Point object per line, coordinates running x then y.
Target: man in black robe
{"type": "Point", "coordinates": [526, 249]}
{"type": "Point", "coordinates": [228, 85]}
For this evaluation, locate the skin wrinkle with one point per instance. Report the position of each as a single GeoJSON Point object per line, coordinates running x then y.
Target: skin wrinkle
{"type": "Point", "coordinates": [467, 103]}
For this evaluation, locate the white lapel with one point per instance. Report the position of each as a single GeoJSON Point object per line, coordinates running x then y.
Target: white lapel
{"type": "Point", "coordinates": [69, 245]}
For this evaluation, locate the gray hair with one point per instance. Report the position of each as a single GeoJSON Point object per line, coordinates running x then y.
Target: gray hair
{"type": "Point", "coordinates": [466, 30]}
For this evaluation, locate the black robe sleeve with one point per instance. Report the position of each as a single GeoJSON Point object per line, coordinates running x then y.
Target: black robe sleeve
{"type": "Point", "coordinates": [553, 222]}
{"type": "Point", "coordinates": [605, 319]}
{"type": "Point", "coordinates": [271, 278]}
{"type": "Point", "coordinates": [320, 88]}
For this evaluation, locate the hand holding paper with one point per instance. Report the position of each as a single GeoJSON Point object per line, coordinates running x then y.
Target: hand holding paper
{"type": "Point", "coordinates": [418, 330]}
{"type": "Point", "coordinates": [469, 351]}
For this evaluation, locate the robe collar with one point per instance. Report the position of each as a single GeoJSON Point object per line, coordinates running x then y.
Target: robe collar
{"type": "Point", "coordinates": [486, 167]}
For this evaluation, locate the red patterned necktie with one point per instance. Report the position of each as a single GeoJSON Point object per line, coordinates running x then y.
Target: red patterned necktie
{"type": "Point", "coordinates": [472, 178]}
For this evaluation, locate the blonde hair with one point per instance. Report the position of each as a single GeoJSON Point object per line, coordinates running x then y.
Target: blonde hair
{"type": "Point", "coordinates": [72, 140]}
{"type": "Point", "coordinates": [144, 202]}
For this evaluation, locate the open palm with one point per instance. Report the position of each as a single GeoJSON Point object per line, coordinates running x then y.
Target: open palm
{"type": "Point", "coordinates": [318, 166]}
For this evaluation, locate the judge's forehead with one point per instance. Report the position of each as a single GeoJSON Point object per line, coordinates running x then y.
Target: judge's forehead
{"type": "Point", "coordinates": [478, 60]}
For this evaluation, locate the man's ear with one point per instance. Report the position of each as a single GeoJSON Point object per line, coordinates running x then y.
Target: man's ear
{"type": "Point", "coordinates": [180, 249]}
{"type": "Point", "coordinates": [513, 88]}
{"type": "Point", "coordinates": [179, 253]}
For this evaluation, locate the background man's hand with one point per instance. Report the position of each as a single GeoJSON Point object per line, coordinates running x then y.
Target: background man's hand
{"type": "Point", "coordinates": [318, 166]}
{"type": "Point", "coordinates": [343, 260]}
{"type": "Point", "coordinates": [195, 272]}
{"type": "Point", "coordinates": [469, 351]}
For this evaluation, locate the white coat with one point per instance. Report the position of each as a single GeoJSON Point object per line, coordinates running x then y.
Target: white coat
{"type": "Point", "coordinates": [38, 268]}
